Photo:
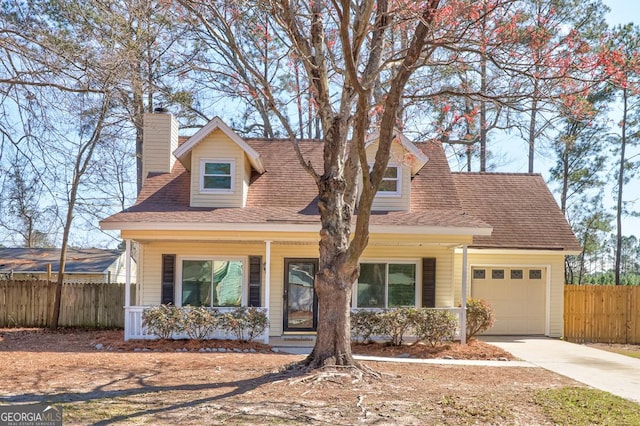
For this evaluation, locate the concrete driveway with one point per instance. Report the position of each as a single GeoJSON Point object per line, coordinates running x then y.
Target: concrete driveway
{"type": "Point", "coordinates": [614, 373]}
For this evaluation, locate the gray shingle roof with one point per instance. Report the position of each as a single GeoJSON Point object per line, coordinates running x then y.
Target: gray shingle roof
{"type": "Point", "coordinates": [520, 208]}
{"type": "Point", "coordinates": [36, 260]}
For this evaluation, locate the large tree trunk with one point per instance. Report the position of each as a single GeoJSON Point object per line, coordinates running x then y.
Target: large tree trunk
{"type": "Point", "coordinates": [333, 344]}
{"type": "Point", "coordinates": [57, 299]}
{"type": "Point", "coordinates": [335, 278]}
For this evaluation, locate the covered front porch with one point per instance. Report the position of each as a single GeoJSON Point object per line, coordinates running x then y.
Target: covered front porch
{"type": "Point", "coordinates": [279, 289]}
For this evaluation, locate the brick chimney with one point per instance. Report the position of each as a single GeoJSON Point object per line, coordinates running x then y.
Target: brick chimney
{"type": "Point", "coordinates": [159, 140]}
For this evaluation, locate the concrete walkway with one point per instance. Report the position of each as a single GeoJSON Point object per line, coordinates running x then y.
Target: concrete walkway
{"type": "Point", "coordinates": [611, 372]}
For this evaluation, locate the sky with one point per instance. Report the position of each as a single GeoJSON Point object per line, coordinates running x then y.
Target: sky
{"type": "Point", "coordinates": [513, 153]}
{"type": "Point", "coordinates": [623, 12]}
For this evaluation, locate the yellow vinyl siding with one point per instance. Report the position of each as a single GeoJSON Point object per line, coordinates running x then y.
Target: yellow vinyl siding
{"type": "Point", "coordinates": [552, 263]}
{"type": "Point", "coordinates": [151, 258]}
{"type": "Point", "coordinates": [394, 202]}
{"type": "Point", "coordinates": [390, 202]}
{"type": "Point", "coordinates": [245, 181]}
{"type": "Point", "coordinates": [218, 146]}
{"type": "Point", "coordinates": [444, 266]}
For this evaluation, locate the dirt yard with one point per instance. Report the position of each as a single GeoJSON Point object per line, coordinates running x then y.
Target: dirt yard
{"type": "Point", "coordinates": [161, 383]}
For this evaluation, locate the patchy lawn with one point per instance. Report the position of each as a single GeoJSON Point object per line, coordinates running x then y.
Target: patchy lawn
{"type": "Point", "coordinates": [619, 348]}
{"type": "Point", "coordinates": [585, 406]}
{"type": "Point", "coordinates": [147, 387]}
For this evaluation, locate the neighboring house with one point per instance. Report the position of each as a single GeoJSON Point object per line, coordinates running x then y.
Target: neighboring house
{"type": "Point", "coordinates": [224, 221]}
{"type": "Point", "coordinates": [82, 265]}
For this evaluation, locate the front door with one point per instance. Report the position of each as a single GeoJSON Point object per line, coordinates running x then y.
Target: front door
{"type": "Point", "coordinates": [300, 302]}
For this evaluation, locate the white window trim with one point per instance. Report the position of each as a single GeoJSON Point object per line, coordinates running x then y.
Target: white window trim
{"type": "Point", "coordinates": [398, 191]}
{"type": "Point", "coordinates": [232, 163]}
{"type": "Point", "coordinates": [245, 285]}
{"type": "Point", "coordinates": [418, 283]}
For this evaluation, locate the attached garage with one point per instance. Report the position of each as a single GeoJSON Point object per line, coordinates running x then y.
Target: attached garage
{"type": "Point", "coordinates": [518, 297]}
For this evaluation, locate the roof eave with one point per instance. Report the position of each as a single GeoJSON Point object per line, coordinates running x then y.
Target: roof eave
{"type": "Point", "coordinates": [290, 227]}
{"type": "Point", "coordinates": [512, 249]}
{"type": "Point", "coordinates": [183, 150]}
{"type": "Point", "coordinates": [407, 145]}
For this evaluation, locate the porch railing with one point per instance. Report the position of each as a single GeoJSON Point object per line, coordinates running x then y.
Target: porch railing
{"type": "Point", "coordinates": [135, 329]}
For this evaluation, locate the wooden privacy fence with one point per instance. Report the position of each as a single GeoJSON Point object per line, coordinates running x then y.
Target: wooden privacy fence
{"type": "Point", "coordinates": [30, 304]}
{"type": "Point", "coordinates": [602, 313]}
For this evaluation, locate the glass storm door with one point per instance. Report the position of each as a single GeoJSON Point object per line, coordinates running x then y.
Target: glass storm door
{"type": "Point", "coordinates": [300, 302]}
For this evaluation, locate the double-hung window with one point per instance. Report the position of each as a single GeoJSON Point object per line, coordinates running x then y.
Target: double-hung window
{"type": "Point", "coordinates": [216, 175]}
{"type": "Point", "coordinates": [386, 285]}
{"type": "Point", "coordinates": [391, 184]}
{"type": "Point", "coordinates": [212, 282]}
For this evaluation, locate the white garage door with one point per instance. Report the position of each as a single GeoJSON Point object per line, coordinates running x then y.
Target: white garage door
{"type": "Point", "coordinates": [517, 296]}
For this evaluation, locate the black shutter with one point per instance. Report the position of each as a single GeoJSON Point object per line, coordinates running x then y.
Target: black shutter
{"type": "Point", "coordinates": [255, 280]}
{"type": "Point", "coordinates": [168, 278]}
{"type": "Point", "coordinates": [429, 282]}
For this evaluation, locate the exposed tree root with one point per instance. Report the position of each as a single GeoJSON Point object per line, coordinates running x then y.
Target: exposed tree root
{"type": "Point", "coordinates": [361, 406]}
{"type": "Point", "coordinates": [312, 373]}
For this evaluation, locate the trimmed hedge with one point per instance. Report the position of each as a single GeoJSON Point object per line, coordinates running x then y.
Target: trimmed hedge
{"type": "Point", "coordinates": [433, 326]}
{"type": "Point", "coordinates": [199, 322]}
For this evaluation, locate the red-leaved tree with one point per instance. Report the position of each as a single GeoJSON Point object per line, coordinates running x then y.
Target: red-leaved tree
{"type": "Point", "coordinates": [357, 59]}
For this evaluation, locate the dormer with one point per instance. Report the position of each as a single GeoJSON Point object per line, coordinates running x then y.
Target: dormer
{"type": "Point", "coordinates": [220, 162]}
{"type": "Point", "coordinates": [405, 161]}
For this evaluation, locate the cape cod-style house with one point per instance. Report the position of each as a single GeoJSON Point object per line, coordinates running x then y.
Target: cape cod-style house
{"type": "Point", "coordinates": [226, 221]}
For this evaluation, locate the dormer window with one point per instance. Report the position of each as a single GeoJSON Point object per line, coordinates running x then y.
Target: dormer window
{"type": "Point", "coordinates": [216, 175]}
{"type": "Point", "coordinates": [391, 184]}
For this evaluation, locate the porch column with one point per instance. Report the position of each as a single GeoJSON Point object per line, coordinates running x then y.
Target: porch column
{"type": "Point", "coordinates": [267, 285]}
{"type": "Point", "coordinates": [127, 272]}
{"type": "Point", "coordinates": [463, 326]}
{"type": "Point", "coordinates": [127, 287]}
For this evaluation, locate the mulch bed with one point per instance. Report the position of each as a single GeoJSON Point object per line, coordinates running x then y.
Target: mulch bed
{"type": "Point", "coordinates": [80, 340]}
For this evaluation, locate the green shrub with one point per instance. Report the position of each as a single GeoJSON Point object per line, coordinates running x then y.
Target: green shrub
{"type": "Point", "coordinates": [433, 325]}
{"type": "Point", "coordinates": [245, 323]}
{"type": "Point", "coordinates": [163, 320]}
{"type": "Point", "coordinates": [394, 324]}
{"type": "Point", "coordinates": [365, 324]}
{"type": "Point", "coordinates": [199, 321]}
{"type": "Point", "coordinates": [480, 316]}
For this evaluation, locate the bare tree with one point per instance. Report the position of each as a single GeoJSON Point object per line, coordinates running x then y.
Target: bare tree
{"type": "Point", "coordinates": [64, 81]}
{"type": "Point", "coordinates": [358, 69]}
{"type": "Point", "coordinates": [24, 211]}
